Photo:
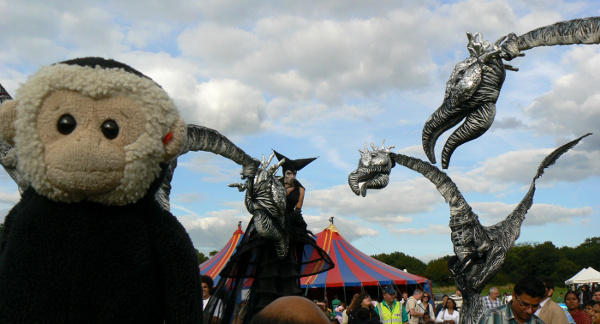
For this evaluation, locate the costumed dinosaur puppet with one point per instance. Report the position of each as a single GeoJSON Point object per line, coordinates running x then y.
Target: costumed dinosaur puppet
{"type": "Point", "coordinates": [479, 250]}
{"type": "Point", "coordinates": [474, 85]}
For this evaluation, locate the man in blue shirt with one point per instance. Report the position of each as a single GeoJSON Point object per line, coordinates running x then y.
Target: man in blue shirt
{"type": "Point", "coordinates": [527, 294]}
{"type": "Point", "coordinates": [492, 300]}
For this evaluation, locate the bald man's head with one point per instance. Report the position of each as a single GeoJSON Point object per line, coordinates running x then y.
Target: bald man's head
{"type": "Point", "coordinates": [291, 310]}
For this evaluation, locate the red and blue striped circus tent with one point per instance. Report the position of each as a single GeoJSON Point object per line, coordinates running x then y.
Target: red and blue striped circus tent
{"type": "Point", "coordinates": [354, 268]}
{"type": "Point", "coordinates": [213, 266]}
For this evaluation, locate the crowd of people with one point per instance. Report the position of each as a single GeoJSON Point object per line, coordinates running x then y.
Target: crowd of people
{"type": "Point", "coordinates": [416, 309]}
{"type": "Point", "coordinates": [531, 302]}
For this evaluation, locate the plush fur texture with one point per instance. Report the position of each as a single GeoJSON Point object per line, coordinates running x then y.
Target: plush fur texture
{"type": "Point", "coordinates": [92, 263]}
{"type": "Point", "coordinates": [142, 157]}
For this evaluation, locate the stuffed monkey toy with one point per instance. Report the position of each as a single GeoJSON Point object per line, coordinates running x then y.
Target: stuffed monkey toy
{"type": "Point", "coordinates": [88, 242]}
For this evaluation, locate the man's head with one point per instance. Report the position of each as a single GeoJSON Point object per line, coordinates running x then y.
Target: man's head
{"type": "Point", "coordinates": [549, 284]}
{"type": "Point", "coordinates": [493, 293]}
{"type": "Point", "coordinates": [389, 294]}
{"type": "Point", "coordinates": [418, 293]}
{"type": "Point", "coordinates": [405, 295]}
{"type": "Point", "coordinates": [596, 296]}
{"type": "Point", "coordinates": [527, 295]}
{"type": "Point", "coordinates": [207, 285]}
{"type": "Point", "coordinates": [292, 310]}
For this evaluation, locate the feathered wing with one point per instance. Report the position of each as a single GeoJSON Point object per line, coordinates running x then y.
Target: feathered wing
{"type": "Point", "coordinates": [552, 157]}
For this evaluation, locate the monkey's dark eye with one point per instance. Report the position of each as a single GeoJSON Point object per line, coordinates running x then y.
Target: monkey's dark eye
{"type": "Point", "coordinates": [66, 124]}
{"type": "Point", "coordinates": [110, 129]}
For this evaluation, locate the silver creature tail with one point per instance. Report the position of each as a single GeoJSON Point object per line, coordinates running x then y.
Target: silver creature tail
{"type": "Point", "coordinates": [576, 31]}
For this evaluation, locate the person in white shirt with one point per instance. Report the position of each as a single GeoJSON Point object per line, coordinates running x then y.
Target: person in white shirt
{"type": "Point", "coordinates": [207, 286]}
{"type": "Point", "coordinates": [448, 314]}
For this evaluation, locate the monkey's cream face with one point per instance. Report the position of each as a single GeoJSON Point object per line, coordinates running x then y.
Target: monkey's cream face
{"type": "Point", "coordinates": [85, 140]}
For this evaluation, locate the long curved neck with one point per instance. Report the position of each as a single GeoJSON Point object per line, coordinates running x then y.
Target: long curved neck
{"type": "Point", "coordinates": [471, 309]}
{"type": "Point", "coordinates": [209, 140]}
{"type": "Point", "coordinates": [443, 183]}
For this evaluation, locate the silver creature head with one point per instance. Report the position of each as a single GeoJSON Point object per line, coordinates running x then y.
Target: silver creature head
{"type": "Point", "coordinates": [373, 170]}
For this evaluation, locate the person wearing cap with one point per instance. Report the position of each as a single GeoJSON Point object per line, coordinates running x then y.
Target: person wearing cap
{"type": "Point", "coordinates": [390, 310]}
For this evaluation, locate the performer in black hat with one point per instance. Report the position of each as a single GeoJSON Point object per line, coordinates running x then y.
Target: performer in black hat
{"type": "Point", "coordinates": [295, 190]}
{"type": "Point", "coordinates": [275, 252]}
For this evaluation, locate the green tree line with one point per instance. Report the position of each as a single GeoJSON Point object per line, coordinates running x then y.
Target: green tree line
{"type": "Point", "coordinates": [543, 260]}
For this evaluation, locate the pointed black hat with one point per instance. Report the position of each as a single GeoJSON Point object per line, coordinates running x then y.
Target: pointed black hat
{"type": "Point", "coordinates": [294, 165]}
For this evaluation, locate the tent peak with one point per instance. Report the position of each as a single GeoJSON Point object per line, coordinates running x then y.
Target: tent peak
{"type": "Point", "coordinates": [331, 227]}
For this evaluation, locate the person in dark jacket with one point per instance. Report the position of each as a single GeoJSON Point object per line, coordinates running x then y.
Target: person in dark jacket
{"type": "Point", "coordinates": [362, 301]}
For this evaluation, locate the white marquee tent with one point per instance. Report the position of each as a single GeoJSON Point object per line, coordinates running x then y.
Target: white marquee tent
{"type": "Point", "coordinates": [585, 276]}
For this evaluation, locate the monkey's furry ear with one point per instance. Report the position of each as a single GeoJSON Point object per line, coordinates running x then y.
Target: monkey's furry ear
{"type": "Point", "coordinates": [8, 115]}
{"type": "Point", "coordinates": [175, 140]}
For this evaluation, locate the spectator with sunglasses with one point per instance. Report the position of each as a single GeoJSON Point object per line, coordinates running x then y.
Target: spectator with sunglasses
{"type": "Point", "coordinates": [528, 293]}
{"type": "Point", "coordinates": [425, 307]}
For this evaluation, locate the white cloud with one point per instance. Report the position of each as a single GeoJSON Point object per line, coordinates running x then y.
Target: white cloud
{"type": "Point", "coordinates": [211, 167]}
{"type": "Point", "coordinates": [429, 230]}
{"type": "Point", "coordinates": [391, 204]}
{"type": "Point", "coordinates": [306, 57]}
{"type": "Point", "coordinates": [92, 32]}
{"type": "Point", "coordinates": [10, 197]}
{"type": "Point", "coordinates": [189, 198]}
{"type": "Point", "coordinates": [572, 107]}
{"type": "Point", "coordinates": [539, 214]}
{"type": "Point", "coordinates": [227, 105]}
{"type": "Point", "coordinates": [212, 230]}
{"type": "Point", "coordinates": [519, 167]}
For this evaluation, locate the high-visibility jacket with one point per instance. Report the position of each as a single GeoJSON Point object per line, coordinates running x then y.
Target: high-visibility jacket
{"type": "Point", "coordinates": [394, 315]}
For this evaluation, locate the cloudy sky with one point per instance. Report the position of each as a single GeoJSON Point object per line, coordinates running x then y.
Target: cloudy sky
{"type": "Point", "coordinates": [322, 78]}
